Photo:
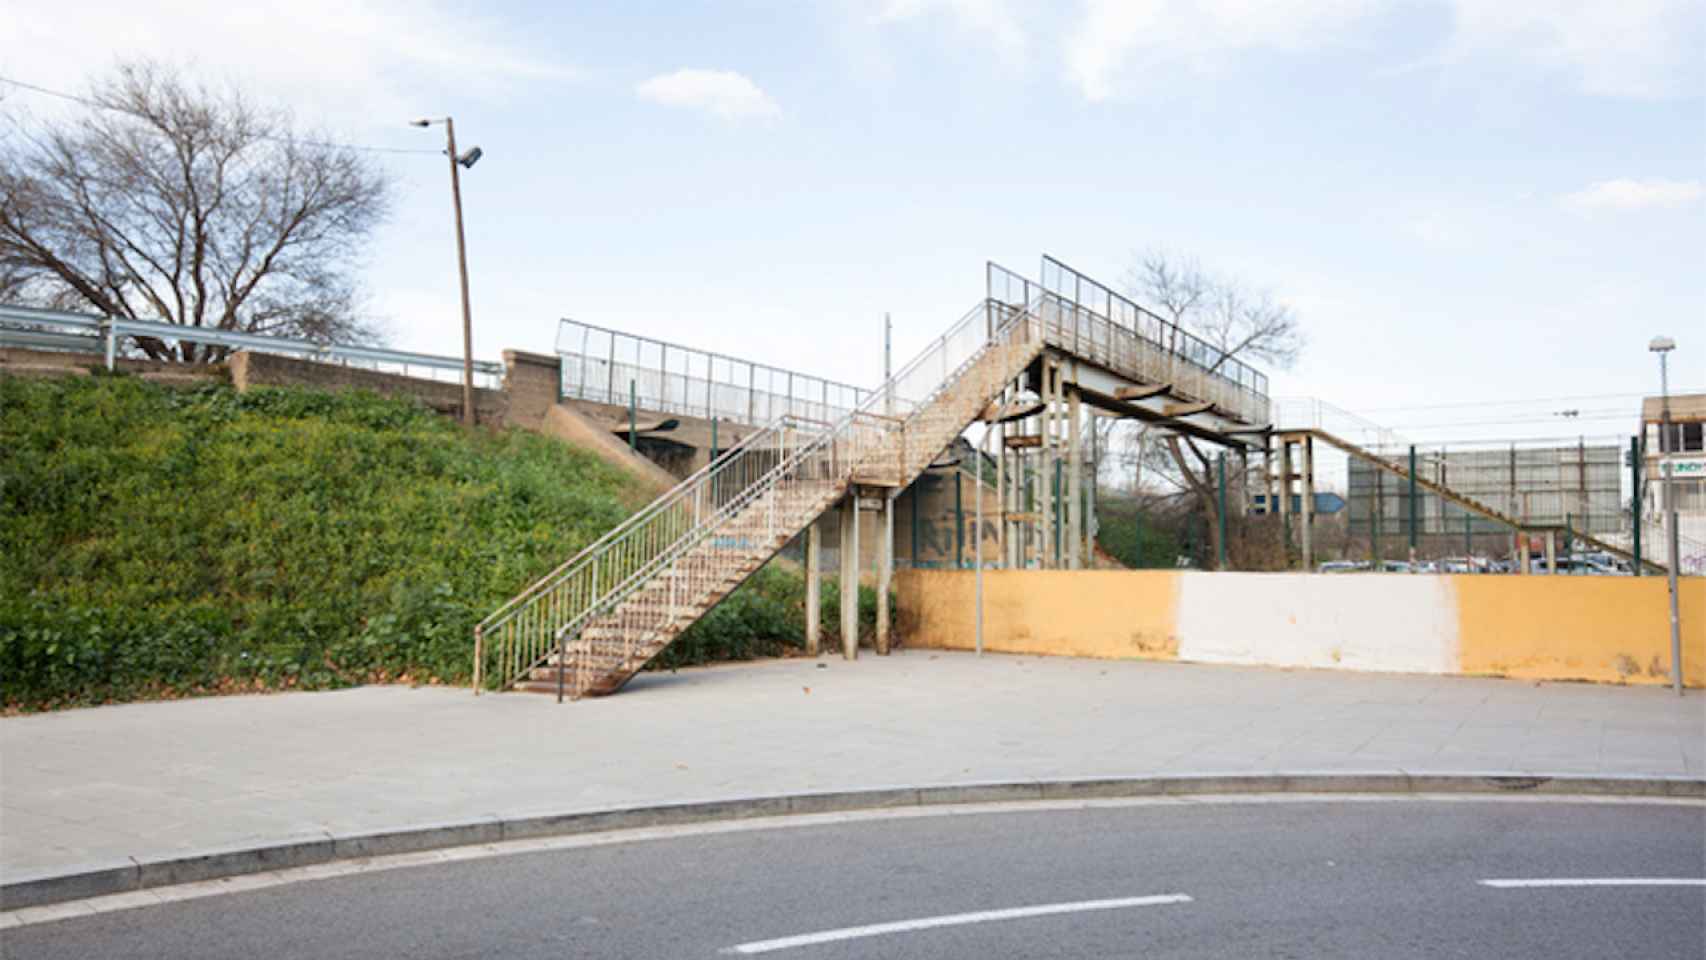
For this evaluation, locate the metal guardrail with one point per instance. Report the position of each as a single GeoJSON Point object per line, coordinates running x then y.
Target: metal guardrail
{"type": "Point", "coordinates": [86, 333]}
{"type": "Point", "coordinates": [1084, 317]}
{"type": "Point", "coordinates": [600, 364]}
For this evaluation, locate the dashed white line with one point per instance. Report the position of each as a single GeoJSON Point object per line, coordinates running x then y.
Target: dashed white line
{"type": "Point", "coordinates": [953, 920]}
{"type": "Point", "coordinates": [1597, 882]}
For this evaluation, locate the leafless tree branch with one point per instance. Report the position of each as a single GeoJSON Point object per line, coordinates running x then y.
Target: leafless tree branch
{"type": "Point", "coordinates": [191, 206]}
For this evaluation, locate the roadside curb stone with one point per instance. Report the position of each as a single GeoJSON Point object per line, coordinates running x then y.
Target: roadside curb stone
{"type": "Point", "coordinates": [95, 880]}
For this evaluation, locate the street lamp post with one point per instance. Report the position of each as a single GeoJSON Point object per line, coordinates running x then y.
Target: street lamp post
{"type": "Point", "coordinates": [463, 160]}
{"type": "Point", "coordinates": [1663, 346]}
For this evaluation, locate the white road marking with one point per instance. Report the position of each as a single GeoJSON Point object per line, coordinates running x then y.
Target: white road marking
{"type": "Point", "coordinates": [1598, 882]}
{"type": "Point", "coordinates": [953, 920]}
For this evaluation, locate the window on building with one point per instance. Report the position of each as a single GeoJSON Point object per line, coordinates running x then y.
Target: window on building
{"type": "Point", "coordinates": [1687, 496]}
{"type": "Point", "coordinates": [1682, 438]}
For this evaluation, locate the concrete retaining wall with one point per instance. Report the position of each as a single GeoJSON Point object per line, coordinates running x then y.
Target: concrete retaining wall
{"type": "Point", "coordinates": [1602, 629]}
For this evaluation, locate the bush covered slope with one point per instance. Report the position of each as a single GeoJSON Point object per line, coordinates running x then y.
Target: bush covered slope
{"type": "Point", "coordinates": [158, 541]}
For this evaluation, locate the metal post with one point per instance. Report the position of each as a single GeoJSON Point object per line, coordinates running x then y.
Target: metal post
{"type": "Point", "coordinates": [1570, 537]}
{"type": "Point", "coordinates": [633, 417]}
{"type": "Point", "coordinates": [1413, 504]}
{"type": "Point", "coordinates": [1635, 503]}
{"type": "Point", "coordinates": [1374, 522]}
{"type": "Point", "coordinates": [462, 268]}
{"type": "Point", "coordinates": [1074, 477]}
{"type": "Point", "coordinates": [112, 342]}
{"type": "Point", "coordinates": [713, 439]}
{"type": "Point", "coordinates": [1220, 469]}
{"type": "Point", "coordinates": [1045, 466]}
{"type": "Point", "coordinates": [1468, 536]}
{"type": "Point", "coordinates": [1666, 468]}
{"type": "Point", "coordinates": [978, 548]}
{"type": "Point", "coordinates": [1090, 494]}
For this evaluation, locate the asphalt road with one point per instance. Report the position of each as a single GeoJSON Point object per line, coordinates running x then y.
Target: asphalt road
{"type": "Point", "coordinates": [1279, 879]}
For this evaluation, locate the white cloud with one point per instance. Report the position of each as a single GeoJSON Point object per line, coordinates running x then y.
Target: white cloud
{"type": "Point", "coordinates": [1626, 195]}
{"type": "Point", "coordinates": [1629, 48]}
{"type": "Point", "coordinates": [995, 20]}
{"type": "Point", "coordinates": [723, 93]}
{"type": "Point", "coordinates": [1117, 39]}
{"type": "Point", "coordinates": [349, 64]}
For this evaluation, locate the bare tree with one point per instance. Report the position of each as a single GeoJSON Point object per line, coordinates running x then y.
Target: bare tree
{"type": "Point", "coordinates": [169, 202]}
{"type": "Point", "coordinates": [1237, 323]}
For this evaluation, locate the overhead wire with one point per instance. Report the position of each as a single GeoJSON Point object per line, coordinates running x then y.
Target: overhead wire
{"type": "Point", "coordinates": [330, 144]}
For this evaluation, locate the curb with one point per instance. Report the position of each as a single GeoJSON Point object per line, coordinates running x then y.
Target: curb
{"type": "Point", "coordinates": [130, 875]}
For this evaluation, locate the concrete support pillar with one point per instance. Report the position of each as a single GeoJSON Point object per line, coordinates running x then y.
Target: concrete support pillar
{"type": "Point", "coordinates": [1074, 478]}
{"type": "Point", "coordinates": [1269, 481]}
{"type": "Point", "coordinates": [1525, 561]}
{"type": "Point", "coordinates": [850, 575]}
{"type": "Point", "coordinates": [1244, 481]}
{"type": "Point", "coordinates": [1308, 503]}
{"type": "Point", "coordinates": [885, 572]}
{"type": "Point", "coordinates": [1551, 551]}
{"type": "Point", "coordinates": [814, 587]}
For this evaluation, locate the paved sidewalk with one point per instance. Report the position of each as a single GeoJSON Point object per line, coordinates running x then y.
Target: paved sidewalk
{"type": "Point", "coordinates": [89, 787]}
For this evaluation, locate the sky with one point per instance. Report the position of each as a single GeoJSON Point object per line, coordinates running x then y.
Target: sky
{"type": "Point", "coordinates": [1481, 210]}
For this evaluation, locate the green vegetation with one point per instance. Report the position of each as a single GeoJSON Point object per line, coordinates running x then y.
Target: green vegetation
{"type": "Point", "coordinates": [163, 541]}
{"type": "Point", "coordinates": [765, 617]}
{"type": "Point", "coordinates": [160, 542]}
{"type": "Point", "coordinates": [1138, 537]}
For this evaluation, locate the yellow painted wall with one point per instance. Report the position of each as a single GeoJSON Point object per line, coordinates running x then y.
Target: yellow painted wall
{"type": "Point", "coordinates": [1606, 629]}
{"type": "Point", "coordinates": [1087, 613]}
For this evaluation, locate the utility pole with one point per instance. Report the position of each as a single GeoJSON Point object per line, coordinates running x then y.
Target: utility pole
{"type": "Point", "coordinates": [1663, 346]}
{"type": "Point", "coordinates": [465, 160]}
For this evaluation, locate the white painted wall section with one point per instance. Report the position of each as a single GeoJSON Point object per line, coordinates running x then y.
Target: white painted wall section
{"type": "Point", "coordinates": [1386, 622]}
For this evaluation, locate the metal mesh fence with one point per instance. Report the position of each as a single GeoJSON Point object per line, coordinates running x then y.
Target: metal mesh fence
{"type": "Point", "coordinates": [605, 366]}
{"type": "Point", "coordinates": [1578, 486]}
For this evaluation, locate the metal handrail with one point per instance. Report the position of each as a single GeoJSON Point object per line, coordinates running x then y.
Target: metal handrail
{"type": "Point", "coordinates": [673, 494]}
{"type": "Point", "coordinates": [773, 482]}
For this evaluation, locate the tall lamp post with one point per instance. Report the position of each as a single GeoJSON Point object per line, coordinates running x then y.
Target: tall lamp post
{"type": "Point", "coordinates": [1662, 346]}
{"type": "Point", "coordinates": [460, 160]}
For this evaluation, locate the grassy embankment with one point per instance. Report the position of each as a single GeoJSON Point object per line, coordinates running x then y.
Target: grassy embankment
{"type": "Point", "coordinates": [159, 542]}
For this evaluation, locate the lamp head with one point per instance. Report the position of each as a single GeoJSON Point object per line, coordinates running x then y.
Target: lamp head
{"type": "Point", "coordinates": [423, 122]}
{"type": "Point", "coordinates": [470, 157]}
{"type": "Point", "coordinates": [1662, 345]}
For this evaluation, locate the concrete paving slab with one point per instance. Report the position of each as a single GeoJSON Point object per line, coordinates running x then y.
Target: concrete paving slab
{"type": "Point", "coordinates": [161, 779]}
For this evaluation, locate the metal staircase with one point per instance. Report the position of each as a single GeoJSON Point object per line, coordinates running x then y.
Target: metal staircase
{"type": "Point", "coordinates": [591, 624]}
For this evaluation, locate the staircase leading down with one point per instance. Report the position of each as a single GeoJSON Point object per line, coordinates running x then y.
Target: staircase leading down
{"type": "Point", "coordinates": [591, 624]}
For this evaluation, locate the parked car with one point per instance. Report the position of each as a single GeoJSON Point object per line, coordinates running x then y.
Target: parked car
{"type": "Point", "coordinates": [1342, 566]}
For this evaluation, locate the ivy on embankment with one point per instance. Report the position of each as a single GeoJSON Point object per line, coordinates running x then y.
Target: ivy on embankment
{"type": "Point", "coordinates": [159, 541]}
